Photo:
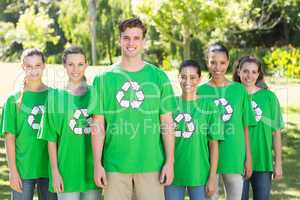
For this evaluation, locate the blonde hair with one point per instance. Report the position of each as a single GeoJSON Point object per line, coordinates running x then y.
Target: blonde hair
{"type": "Point", "coordinates": [26, 53]}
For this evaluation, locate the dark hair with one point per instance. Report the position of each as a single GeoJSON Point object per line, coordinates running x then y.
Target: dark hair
{"type": "Point", "coordinates": [238, 65]}
{"type": "Point", "coordinates": [32, 52]}
{"type": "Point", "coordinates": [72, 50]}
{"type": "Point", "coordinates": [190, 63]}
{"type": "Point", "coordinates": [26, 53]}
{"type": "Point", "coordinates": [132, 23]}
{"type": "Point", "coordinates": [218, 47]}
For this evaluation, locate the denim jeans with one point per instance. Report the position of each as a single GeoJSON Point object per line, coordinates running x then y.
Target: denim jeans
{"type": "Point", "coordinates": [89, 195]}
{"type": "Point", "coordinates": [261, 186]}
{"type": "Point", "coordinates": [177, 192]}
{"type": "Point", "coordinates": [28, 187]}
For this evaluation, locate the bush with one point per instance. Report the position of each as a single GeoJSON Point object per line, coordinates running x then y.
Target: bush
{"type": "Point", "coordinates": [284, 61]}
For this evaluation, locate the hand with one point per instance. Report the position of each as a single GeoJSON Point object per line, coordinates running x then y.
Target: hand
{"type": "Point", "coordinates": [15, 181]}
{"type": "Point", "coordinates": [58, 184]}
{"type": "Point", "coordinates": [210, 187]}
{"type": "Point", "coordinates": [100, 176]}
{"type": "Point", "coordinates": [277, 172]}
{"type": "Point", "coordinates": [248, 169]}
{"type": "Point", "coordinates": [167, 174]}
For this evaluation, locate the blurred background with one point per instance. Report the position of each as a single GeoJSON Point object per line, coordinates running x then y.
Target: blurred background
{"type": "Point", "coordinates": [177, 30]}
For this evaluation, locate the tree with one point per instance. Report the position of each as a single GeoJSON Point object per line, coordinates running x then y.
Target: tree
{"type": "Point", "coordinates": [93, 28]}
{"type": "Point", "coordinates": [189, 18]}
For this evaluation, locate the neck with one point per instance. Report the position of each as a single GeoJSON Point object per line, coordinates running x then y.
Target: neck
{"type": "Point", "coordinates": [189, 96]}
{"type": "Point", "coordinates": [35, 86]}
{"type": "Point", "coordinates": [132, 64]}
{"type": "Point", "coordinates": [219, 82]}
{"type": "Point", "coordinates": [252, 88]}
{"type": "Point", "coordinates": [77, 88]}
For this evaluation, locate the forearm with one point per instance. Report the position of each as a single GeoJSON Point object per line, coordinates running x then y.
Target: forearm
{"type": "Point", "coordinates": [247, 144]}
{"type": "Point", "coordinates": [52, 150]}
{"type": "Point", "coordinates": [168, 135]}
{"type": "Point", "coordinates": [277, 147]}
{"type": "Point", "coordinates": [11, 151]}
{"type": "Point", "coordinates": [214, 156]}
{"type": "Point", "coordinates": [98, 138]}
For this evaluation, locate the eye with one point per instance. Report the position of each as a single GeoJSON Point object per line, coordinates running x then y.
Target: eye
{"type": "Point", "coordinates": [81, 64]}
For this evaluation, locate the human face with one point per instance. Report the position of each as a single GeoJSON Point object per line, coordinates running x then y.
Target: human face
{"type": "Point", "coordinates": [189, 80]}
{"type": "Point", "coordinates": [33, 67]}
{"type": "Point", "coordinates": [248, 74]}
{"type": "Point", "coordinates": [132, 42]}
{"type": "Point", "coordinates": [217, 64]}
{"type": "Point", "coordinates": [75, 66]}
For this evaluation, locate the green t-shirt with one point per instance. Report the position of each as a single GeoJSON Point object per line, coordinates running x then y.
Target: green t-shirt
{"type": "Point", "coordinates": [269, 119]}
{"type": "Point", "coordinates": [132, 103]}
{"type": "Point", "coordinates": [66, 122]}
{"type": "Point", "coordinates": [197, 122]}
{"type": "Point", "coordinates": [234, 104]}
{"type": "Point", "coordinates": [23, 122]}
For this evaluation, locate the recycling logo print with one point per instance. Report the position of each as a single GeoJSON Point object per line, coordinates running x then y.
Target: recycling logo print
{"type": "Point", "coordinates": [258, 111]}
{"type": "Point", "coordinates": [228, 108]}
{"type": "Point", "coordinates": [138, 93]}
{"type": "Point", "coordinates": [187, 119]}
{"type": "Point", "coordinates": [36, 110]}
{"type": "Point", "coordinates": [73, 124]}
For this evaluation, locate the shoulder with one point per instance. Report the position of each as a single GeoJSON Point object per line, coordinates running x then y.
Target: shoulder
{"type": "Point", "coordinates": [12, 97]}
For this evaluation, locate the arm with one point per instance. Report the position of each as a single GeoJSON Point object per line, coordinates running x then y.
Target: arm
{"type": "Point", "coordinates": [58, 185]}
{"type": "Point", "coordinates": [14, 178]}
{"type": "Point", "coordinates": [167, 127]}
{"type": "Point", "coordinates": [248, 162]}
{"type": "Point", "coordinates": [214, 156]}
{"type": "Point", "coordinates": [278, 155]}
{"type": "Point", "coordinates": [98, 138]}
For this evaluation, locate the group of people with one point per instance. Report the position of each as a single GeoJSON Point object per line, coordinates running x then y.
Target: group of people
{"type": "Point", "coordinates": [129, 136]}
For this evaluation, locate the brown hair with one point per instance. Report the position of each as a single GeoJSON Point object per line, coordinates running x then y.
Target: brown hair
{"type": "Point", "coordinates": [249, 59]}
{"type": "Point", "coordinates": [132, 23]}
{"type": "Point", "coordinates": [26, 53]}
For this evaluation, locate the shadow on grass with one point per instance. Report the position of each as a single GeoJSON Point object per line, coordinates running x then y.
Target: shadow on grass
{"type": "Point", "coordinates": [288, 187]}
{"type": "Point", "coordinates": [4, 185]}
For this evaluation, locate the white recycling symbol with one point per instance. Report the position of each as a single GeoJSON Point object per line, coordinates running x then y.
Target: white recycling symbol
{"type": "Point", "coordinates": [31, 118]}
{"type": "Point", "coordinates": [258, 111]}
{"type": "Point", "coordinates": [73, 122]}
{"type": "Point", "coordinates": [138, 92]}
{"type": "Point", "coordinates": [187, 118]}
{"type": "Point", "coordinates": [228, 108]}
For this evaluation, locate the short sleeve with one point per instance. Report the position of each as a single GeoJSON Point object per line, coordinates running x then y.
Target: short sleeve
{"type": "Point", "coordinates": [48, 129]}
{"type": "Point", "coordinates": [277, 120]}
{"type": "Point", "coordinates": [168, 101]}
{"type": "Point", "coordinates": [215, 123]}
{"type": "Point", "coordinates": [9, 118]}
{"type": "Point", "coordinates": [96, 101]}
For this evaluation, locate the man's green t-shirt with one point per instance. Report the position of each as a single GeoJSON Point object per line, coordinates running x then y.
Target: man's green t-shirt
{"type": "Point", "coordinates": [67, 122]}
{"type": "Point", "coordinates": [197, 122]}
{"type": "Point", "coordinates": [131, 103]}
{"type": "Point", "coordinates": [23, 121]}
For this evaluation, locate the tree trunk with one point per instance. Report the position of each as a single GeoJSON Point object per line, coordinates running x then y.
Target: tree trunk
{"type": "Point", "coordinates": [93, 21]}
{"type": "Point", "coordinates": [186, 43]}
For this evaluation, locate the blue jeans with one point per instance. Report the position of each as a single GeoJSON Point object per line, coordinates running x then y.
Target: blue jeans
{"type": "Point", "coordinates": [177, 192]}
{"type": "Point", "coordinates": [261, 186]}
{"type": "Point", "coordinates": [89, 195]}
{"type": "Point", "coordinates": [28, 187]}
